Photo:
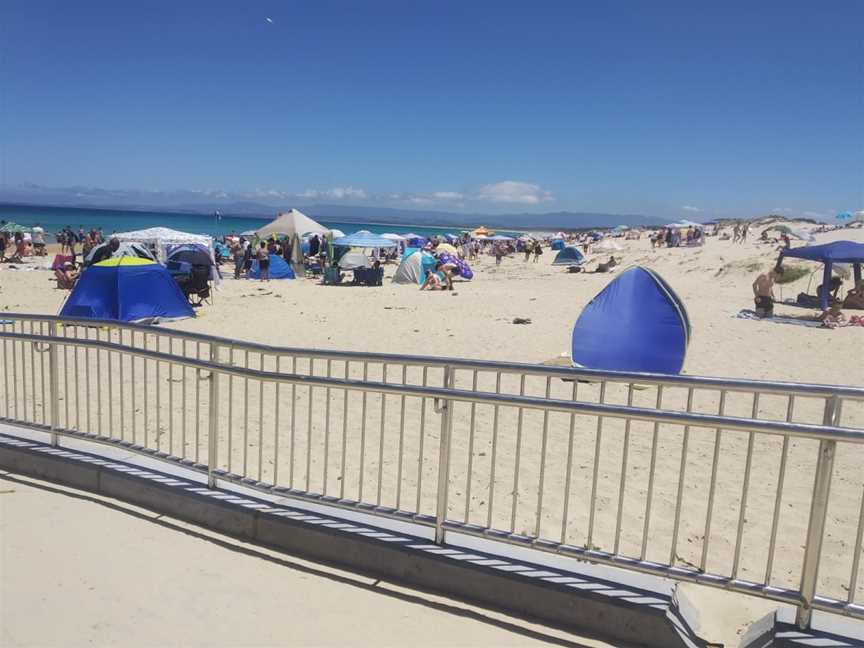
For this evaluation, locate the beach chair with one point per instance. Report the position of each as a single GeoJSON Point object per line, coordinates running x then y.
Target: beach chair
{"type": "Point", "coordinates": [312, 268]}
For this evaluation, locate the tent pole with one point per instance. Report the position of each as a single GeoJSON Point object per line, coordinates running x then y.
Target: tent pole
{"type": "Point", "coordinates": [826, 286]}
{"type": "Point", "coordinates": [856, 273]}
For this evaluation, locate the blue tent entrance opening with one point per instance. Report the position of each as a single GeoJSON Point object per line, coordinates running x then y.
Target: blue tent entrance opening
{"type": "Point", "coordinates": [279, 269]}
{"type": "Point", "coordinates": [636, 323]}
{"type": "Point", "coordinates": [568, 256]}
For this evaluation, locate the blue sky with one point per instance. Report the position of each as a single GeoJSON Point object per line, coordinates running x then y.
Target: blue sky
{"type": "Point", "coordinates": [655, 108]}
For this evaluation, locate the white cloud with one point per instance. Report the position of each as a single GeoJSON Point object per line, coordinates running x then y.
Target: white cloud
{"type": "Point", "coordinates": [336, 193]}
{"type": "Point", "coordinates": [690, 208]}
{"type": "Point", "coordinates": [513, 191]}
{"type": "Point", "coordinates": [815, 214]}
{"type": "Point", "coordinates": [420, 200]}
{"type": "Point", "coordinates": [447, 195]}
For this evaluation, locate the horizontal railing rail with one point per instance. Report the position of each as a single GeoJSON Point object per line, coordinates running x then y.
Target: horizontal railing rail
{"type": "Point", "coordinates": [752, 486]}
{"type": "Point", "coordinates": [579, 373]}
{"type": "Point", "coordinates": [819, 432]}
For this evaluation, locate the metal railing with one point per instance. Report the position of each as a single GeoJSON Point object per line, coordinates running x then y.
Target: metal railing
{"type": "Point", "coordinates": [751, 486]}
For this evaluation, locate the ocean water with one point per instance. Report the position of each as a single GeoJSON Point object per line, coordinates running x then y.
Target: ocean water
{"type": "Point", "coordinates": [54, 219]}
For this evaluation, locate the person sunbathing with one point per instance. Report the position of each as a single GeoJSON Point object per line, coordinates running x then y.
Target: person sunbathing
{"type": "Point", "coordinates": [607, 266]}
{"type": "Point", "coordinates": [833, 317]}
{"type": "Point", "coordinates": [66, 276]}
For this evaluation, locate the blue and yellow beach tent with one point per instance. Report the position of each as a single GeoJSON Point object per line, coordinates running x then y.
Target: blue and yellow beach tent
{"type": "Point", "coordinates": [128, 289]}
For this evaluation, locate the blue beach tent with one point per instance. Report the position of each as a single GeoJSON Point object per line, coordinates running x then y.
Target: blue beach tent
{"type": "Point", "coordinates": [128, 289]}
{"type": "Point", "coordinates": [636, 323]}
{"type": "Point", "coordinates": [829, 254]}
{"type": "Point", "coordinates": [568, 256]}
{"type": "Point", "coordinates": [279, 269]}
{"type": "Point", "coordinates": [557, 244]}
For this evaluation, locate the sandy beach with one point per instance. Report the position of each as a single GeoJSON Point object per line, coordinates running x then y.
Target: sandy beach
{"type": "Point", "coordinates": [476, 321]}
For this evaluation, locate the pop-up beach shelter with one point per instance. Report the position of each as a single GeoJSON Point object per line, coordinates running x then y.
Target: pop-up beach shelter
{"type": "Point", "coordinates": [568, 256]}
{"type": "Point", "coordinates": [829, 254]}
{"type": "Point", "coordinates": [128, 289]}
{"type": "Point", "coordinates": [279, 269]}
{"type": "Point", "coordinates": [413, 268]}
{"type": "Point", "coordinates": [291, 222]}
{"type": "Point", "coordinates": [636, 323]}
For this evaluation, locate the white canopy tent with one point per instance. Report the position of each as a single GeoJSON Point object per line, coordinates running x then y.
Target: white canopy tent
{"type": "Point", "coordinates": [159, 239]}
{"type": "Point", "coordinates": [292, 222]}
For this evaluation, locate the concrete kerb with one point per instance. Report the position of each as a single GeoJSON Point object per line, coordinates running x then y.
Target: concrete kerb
{"type": "Point", "coordinates": [567, 600]}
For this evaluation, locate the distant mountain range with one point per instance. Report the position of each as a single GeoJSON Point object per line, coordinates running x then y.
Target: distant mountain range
{"type": "Point", "coordinates": [144, 201]}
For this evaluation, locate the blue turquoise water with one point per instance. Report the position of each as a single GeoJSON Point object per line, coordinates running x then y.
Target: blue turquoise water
{"type": "Point", "coordinates": [55, 218]}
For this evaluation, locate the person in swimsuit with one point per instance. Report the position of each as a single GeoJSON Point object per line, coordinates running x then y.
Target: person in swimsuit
{"type": "Point", "coordinates": [763, 291]}
{"type": "Point", "coordinates": [263, 256]}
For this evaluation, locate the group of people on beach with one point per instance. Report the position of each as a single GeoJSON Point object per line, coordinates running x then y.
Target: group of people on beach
{"type": "Point", "coordinates": [671, 237]}
{"type": "Point", "coordinates": [15, 246]}
{"type": "Point", "coordinates": [832, 317]}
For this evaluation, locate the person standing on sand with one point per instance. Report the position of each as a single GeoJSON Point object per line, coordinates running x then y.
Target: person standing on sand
{"type": "Point", "coordinates": [538, 250]}
{"type": "Point", "coordinates": [247, 258]}
{"type": "Point", "coordinates": [237, 253]}
{"type": "Point", "coordinates": [263, 257]}
{"type": "Point", "coordinates": [498, 254]}
{"type": "Point", "coordinates": [763, 291]}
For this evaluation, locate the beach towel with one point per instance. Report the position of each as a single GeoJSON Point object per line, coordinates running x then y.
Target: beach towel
{"type": "Point", "coordinates": [777, 319]}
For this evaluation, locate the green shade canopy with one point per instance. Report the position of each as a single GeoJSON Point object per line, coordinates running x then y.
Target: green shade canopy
{"type": "Point", "coordinates": [14, 228]}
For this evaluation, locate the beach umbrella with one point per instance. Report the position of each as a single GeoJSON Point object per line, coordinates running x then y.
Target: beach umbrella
{"type": "Point", "coordinates": [14, 228]}
{"type": "Point", "coordinates": [500, 237]}
{"type": "Point", "coordinates": [844, 215]}
{"type": "Point", "coordinates": [446, 247]}
{"type": "Point", "coordinates": [291, 222]}
{"type": "Point", "coordinates": [390, 237]}
{"type": "Point", "coordinates": [337, 233]}
{"type": "Point", "coordinates": [364, 239]}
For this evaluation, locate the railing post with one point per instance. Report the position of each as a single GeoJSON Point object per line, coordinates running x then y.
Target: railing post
{"type": "Point", "coordinates": [818, 511]}
{"type": "Point", "coordinates": [213, 428]}
{"type": "Point", "coordinates": [54, 376]}
{"type": "Point", "coordinates": [446, 411]}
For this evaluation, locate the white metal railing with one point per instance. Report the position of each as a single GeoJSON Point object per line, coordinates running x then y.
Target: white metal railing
{"type": "Point", "coordinates": [731, 483]}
